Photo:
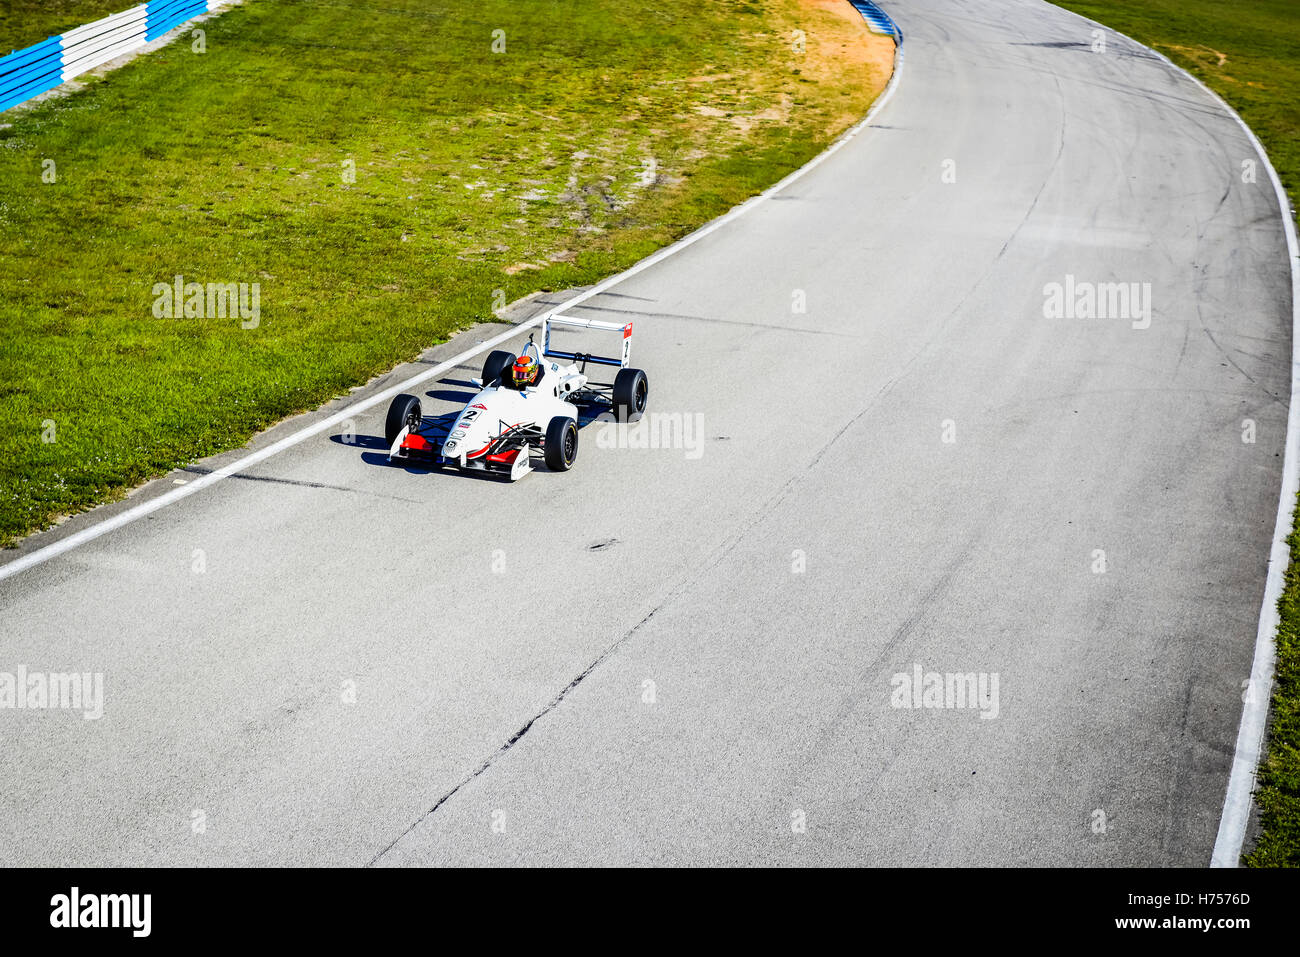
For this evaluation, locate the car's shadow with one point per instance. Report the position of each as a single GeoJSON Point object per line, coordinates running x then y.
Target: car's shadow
{"type": "Point", "coordinates": [461, 383]}
{"type": "Point", "coordinates": [375, 447]}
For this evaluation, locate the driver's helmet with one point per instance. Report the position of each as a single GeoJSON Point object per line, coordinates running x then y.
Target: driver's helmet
{"type": "Point", "coordinates": [525, 371]}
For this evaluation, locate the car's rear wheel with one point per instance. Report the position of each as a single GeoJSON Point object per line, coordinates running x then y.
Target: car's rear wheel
{"type": "Point", "coordinates": [631, 392]}
{"type": "Point", "coordinates": [496, 365]}
{"type": "Point", "coordinates": [561, 447]}
{"type": "Point", "coordinates": [403, 412]}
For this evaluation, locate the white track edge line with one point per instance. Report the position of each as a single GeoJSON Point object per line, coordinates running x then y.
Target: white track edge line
{"type": "Point", "coordinates": [77, 539]}
{"type": "Point", "coordinates": [1254, 715]}
{"type": "Point", "coordinates": [1231, 836]}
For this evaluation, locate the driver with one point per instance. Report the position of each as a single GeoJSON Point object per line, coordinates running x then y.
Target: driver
{"type": "Point", "coordinates": [525, 372]}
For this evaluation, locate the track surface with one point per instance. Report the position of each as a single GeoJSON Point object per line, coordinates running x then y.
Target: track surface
{"type": "Point", "coordinates": [823, 431]}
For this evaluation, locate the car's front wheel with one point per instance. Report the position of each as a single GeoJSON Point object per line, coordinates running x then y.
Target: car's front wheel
{"type": "Point", "coordinates": [403, 412]}
{"type": "Point", "coordinates": [561, 443]}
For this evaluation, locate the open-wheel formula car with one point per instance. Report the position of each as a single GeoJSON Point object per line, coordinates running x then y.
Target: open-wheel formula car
{"type": "Point", "coordinates": [528, 404]}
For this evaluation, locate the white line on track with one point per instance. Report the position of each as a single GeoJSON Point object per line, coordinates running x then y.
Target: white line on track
{"type": "Point", "coordinates": [1254, 713]}
{"type": "Point", "coordinates": [77, 539]}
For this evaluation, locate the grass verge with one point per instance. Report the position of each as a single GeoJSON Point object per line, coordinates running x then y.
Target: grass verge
{"type": "Point", "coordinates": [1248, 53]}
{"type": "Point", "coordinates": [24, 22]}
{"type": "Point", "coordinates": [385, 172]}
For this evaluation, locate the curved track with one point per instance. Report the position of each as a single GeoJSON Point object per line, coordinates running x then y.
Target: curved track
{"type": "Point", "coordinates": [824, 539]}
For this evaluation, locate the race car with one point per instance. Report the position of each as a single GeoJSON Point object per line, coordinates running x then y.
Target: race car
{"type": "Point", "coordinates": [528, 404]}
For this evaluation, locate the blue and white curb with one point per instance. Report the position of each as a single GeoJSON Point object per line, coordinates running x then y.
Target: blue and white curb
{"type": "Point", "coordinates": [27, 73]}
{"type": "Point", "coordinates": [878, 20]}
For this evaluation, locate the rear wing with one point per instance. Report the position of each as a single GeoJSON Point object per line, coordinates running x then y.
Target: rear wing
{"type": "Point", "coordinates": [576, 323]}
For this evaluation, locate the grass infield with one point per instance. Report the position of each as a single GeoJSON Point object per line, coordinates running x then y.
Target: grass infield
{"type": "Point", "coordinates": [373, 175]}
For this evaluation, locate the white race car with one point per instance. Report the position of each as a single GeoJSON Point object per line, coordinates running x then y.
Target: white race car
{"type": "Point", "coordinates": [529, 403]}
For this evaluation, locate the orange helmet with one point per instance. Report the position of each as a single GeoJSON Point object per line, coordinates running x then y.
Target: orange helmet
{"type": "Point", "coordinates": [524, 371]}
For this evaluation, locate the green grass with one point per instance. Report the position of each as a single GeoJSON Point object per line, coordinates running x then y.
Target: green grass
{"type": "Point", "coordinates": [1249, 53]}
{"type": "Point", "coordinates": [1278, 795]}
{"type": "Point", "coordinates": [24, 22]}
{"type": "Point", "coordinates": [479, 177]}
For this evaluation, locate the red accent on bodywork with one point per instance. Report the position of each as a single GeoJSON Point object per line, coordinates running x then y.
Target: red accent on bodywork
{"type": "Point", "coordinates": [491, 458]}
{"type": "Point", "coordinates": [417, 442]}
{"type": "Point", "coordinates": [505, 458]}
{"type": "Point", "coordinates": [627, 331]}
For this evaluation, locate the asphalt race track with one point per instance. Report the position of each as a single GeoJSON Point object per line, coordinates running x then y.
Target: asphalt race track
{"type": "Point", "coordinates": [686, 654]}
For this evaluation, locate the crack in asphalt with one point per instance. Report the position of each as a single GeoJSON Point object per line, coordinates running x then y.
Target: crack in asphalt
{"type": "Point", "coordinates": [514, 739]}
{"type": "Point", "coordinates": [762, 512]}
